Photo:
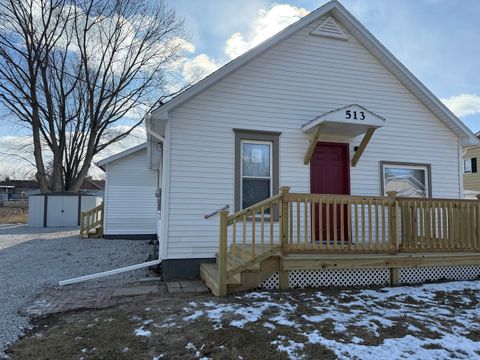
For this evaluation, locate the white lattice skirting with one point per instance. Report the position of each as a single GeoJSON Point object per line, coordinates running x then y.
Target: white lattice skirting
{"type": "Point", "coordinates": [374, 276]}
{"type": "Point", "coordinates": [424, 274]}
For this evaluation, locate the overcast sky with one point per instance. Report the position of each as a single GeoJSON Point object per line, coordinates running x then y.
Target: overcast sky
{"type": "Point", "coordinates": [438, 40]}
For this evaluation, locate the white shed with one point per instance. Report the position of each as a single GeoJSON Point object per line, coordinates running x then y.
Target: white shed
{"type": "Point", "coordinates": [130, 195]}
{"type": "Point", "coordinates": [59, 209]}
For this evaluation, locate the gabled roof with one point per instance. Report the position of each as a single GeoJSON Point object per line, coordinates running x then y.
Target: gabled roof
{"type": "Point", "coordinates": [91, 184]}
{"type": "Point", "coordinates": [120, 155]}
{"type": "Point", "coordinates": [362, 35]}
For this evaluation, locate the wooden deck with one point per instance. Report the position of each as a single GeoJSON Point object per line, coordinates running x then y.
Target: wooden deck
{"type": "Point", "coordinates": [312, 232]}
{"type": "Point", "coordinates": [349, 261]}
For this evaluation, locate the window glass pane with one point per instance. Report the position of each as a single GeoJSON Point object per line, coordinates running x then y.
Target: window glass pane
{"type": "Point", "coordinates": [407, 182]}
{"type": "Point", "coordinates": [255, 159]}
{"type": "Point", "coordinates": [254, 191]}
{"type": "Point", "coordinates": [467, 164]}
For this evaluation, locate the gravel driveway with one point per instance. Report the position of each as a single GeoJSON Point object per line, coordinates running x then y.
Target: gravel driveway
{"type": "Point", "coordinates": [32, 259]}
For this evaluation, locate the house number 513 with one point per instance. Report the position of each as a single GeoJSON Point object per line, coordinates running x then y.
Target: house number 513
{"type": "Point", "coordinates": [349, 114]}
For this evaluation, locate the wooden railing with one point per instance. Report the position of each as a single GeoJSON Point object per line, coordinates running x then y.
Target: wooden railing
{"type": "Point", "coordinates": [440, 224]}
{"type": "Point", "coordinates": [251, 234]}
{"type": "Point", "coordinates": [340, 223]}
{"type": "Point", "coordinates": [293, 223]}
{"type": "Point", "coordinates": [90, 220]}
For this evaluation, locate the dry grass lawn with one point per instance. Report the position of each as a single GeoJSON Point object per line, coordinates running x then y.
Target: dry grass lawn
{"type": "Point", "coordinates": [13, 214]}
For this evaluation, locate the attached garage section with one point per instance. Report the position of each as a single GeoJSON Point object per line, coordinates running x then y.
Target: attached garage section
{"type": "Point", "coordinates": [130, 195]}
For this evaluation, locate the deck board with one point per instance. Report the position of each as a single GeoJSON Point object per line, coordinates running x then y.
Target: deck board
{"type": "Point", "coordinates": [349, 261]}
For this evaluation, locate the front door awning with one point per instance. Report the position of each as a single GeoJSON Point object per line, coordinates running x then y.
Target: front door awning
{"type": "Point", "coordinates": [352, 121]}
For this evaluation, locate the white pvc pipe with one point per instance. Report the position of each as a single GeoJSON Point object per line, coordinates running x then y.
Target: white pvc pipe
{"type": "Point", "coordinates": [109, 272]}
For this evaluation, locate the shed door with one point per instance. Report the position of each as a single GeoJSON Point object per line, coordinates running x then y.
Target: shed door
{"type": "Point", "coordinates": [330, 174]}
{"type": "Point", "coordinates": [62, 211]}
{"type": "Point", "coordinates": [54, 211]}
{"type": "Point", "coordinates": [70, 211]}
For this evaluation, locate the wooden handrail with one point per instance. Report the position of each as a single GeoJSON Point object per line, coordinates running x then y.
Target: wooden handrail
{"type": "Point", "coordinates": [91, 219]}
{"type": "Point", "coordinates": [251, 234]}
{"type": "Point", "coordinates": [254, 207]}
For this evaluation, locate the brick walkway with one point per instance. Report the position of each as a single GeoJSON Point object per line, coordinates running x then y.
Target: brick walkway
{"type": "Point", "coordinates": [58, 300]}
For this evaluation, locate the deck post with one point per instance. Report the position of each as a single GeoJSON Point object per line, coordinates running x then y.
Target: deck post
{"type": "Point", "coordinates": [284, 190]}
{"type": "Point", "coordinates": [392, 220]}
{"type": "Point", "coordinates": [394, 278]}
{"type": "Point", "coordinates": [222, 254]}
{"type": "Point", "coordinates": [282, 279]}
{"type": "Point", "coordinates": [477, 243]}
{"type": "Point", "coordinates": [81, 224]}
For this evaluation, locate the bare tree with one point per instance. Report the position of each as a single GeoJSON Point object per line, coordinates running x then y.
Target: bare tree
{"type": "Point", "coordinates": [71, 70]}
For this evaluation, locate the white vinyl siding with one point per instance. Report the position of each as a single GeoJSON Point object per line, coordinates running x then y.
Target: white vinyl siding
{"type": "Point", "coordinates": [287, 86]}
{"type": "Point", "coordinates": [131, 205]}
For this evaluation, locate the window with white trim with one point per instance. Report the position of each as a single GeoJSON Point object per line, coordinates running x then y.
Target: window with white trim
{"type": "Point", "coordinates": [408, 180]}
{"type": "Point", "coordinates": [256, 171]}
{"type": "Point", "coordinates": [467, 166]}
{"type": "Point", "coordinates": [470, 165]}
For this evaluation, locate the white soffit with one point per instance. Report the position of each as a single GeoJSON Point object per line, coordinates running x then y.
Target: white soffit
{"type": "Point", "coordinates": [329, 28]}
{"type": "Point", "coordinates": [351, 120]}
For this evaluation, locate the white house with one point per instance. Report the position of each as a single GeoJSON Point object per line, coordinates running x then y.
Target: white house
{"type": "Point", "coordinates": [322, 107]}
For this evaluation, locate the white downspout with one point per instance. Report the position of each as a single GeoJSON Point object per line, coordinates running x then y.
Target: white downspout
{"type": "Point", "coordinates": [461, 153]}
{"type": "Point", "coordinates": [109, 272]}
{"type": "Point", "coordinates": [130, 267]}
{"type": "Point", "coordinates": [148, 127]}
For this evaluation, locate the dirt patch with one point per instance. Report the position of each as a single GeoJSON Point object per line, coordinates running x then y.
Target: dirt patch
{"type": "Point", "coordinates": [13, 214]}
{"type": "Point", "coordinates": [149, 329]}
{"type": "Point", "coordinates": [310, 324]}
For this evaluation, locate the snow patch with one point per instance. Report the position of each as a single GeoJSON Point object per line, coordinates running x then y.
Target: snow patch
{"type": "Point", "coordinates": [142, 332]}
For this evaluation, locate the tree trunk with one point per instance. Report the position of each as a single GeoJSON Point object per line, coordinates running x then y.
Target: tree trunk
{"type": "Point", "coordinates": [56, 178]}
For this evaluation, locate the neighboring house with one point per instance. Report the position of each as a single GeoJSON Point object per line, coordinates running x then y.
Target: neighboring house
{"type": "Point", "coordinates": [321, 107]}
{"type": "Point", "coordinates": [471, 177]}
{"type": "Point", "coordinates": [18, 189]}
{"type": "Point", "coordinates": [5, 192]}
{"type": "Point", "coordinates": [130, 209]}
{"type": "Point", "coordinates": [94, 187]}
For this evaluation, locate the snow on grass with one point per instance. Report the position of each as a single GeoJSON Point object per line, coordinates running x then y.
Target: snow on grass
{"type": "Point", "coordinates": [246, 314]}
{"type": "Point", "coordinates": [409, 347]}
{"type": "Point", "coordinates": [434, 321]}
{"type": "Point", "coordinates": [269, 326]}
{"type": "Point", "coordinates": [142, 332]}
{"type": "Point", "coordinates": [191, 347]}
{"type": "Point", "coordinates": [194, 316]}
{"type": "Point", "coordinates": [291, 347]}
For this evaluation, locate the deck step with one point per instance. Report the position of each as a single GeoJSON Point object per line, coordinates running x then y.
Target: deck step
{"type": "Point", "coordinates": [247, 275]}
{"type": "Point", "coordinates": [96, 232]}
{"type": "Point", "coordinates": [243, 262]}
{"type": "Point", "coordinates": [209, 274]}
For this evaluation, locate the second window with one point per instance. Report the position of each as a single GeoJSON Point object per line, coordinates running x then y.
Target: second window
{"type": "Point", "coordinates": [256, 171]}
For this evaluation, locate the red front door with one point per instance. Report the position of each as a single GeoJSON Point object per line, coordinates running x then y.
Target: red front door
{"type": "Point", "coordinates": [330, 174]}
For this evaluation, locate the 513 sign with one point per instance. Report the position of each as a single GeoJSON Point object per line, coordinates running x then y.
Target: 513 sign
{"type": "Point", "coordinates": [355, 115]}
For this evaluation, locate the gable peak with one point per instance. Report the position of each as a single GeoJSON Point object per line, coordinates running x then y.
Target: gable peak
{"type": "Point", "coordinates": [330, 28]}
